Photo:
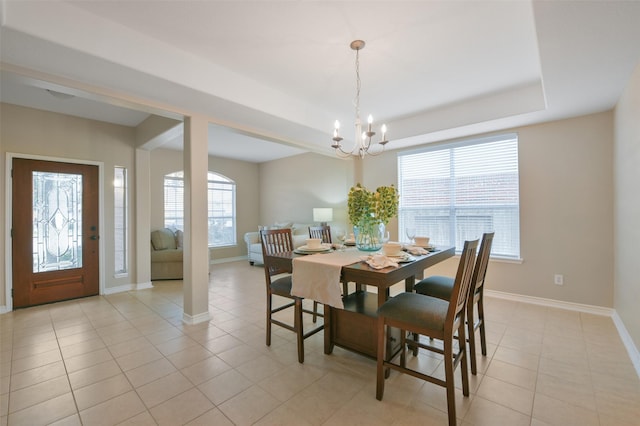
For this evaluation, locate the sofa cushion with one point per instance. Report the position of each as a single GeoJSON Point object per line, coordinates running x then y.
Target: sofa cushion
{"type": "Point", "coordinates": [174, 255]}
{"type": "Point", "coordinates": [163, 239]}
{"type": "Point", "coordinates": [179, 239]}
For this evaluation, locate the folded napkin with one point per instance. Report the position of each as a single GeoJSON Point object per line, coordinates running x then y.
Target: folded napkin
{"type": "Point", "coordinates": [379, 261]}
{"type": "Point", "coordinates": [416, 250]}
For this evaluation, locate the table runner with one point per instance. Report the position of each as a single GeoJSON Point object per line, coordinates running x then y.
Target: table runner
{"type": "Point", "coordinates": [317, 276]}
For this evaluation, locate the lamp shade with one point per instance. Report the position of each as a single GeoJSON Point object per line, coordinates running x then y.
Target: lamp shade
{"type": "Point", "coordinates": [322, 214]}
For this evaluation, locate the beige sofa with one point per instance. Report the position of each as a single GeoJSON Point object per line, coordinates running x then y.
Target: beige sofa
{"type": "Point", "coordinates": [166, 254]}
{"type": "Point", "coordinates": [299, 234]}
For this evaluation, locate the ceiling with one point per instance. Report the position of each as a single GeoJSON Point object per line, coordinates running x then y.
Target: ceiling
{"type": "Point", "coordinates": [272, 76]}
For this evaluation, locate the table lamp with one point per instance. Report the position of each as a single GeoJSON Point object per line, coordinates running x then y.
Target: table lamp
{"type": "Point", "coordinates": [322, 215]}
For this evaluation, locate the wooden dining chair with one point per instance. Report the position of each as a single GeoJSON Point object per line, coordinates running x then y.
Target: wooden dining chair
{"type": "Point", "coordinates": [323, 232]}
{"type": "Point", "coordinates": [278, 241]}
{"type": "Point", "coordinates": [436, 319]}
{"type": "Point", "coordinates": [441, 287]}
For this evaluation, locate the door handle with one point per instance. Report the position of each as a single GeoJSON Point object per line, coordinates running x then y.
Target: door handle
{"type": "Point", "coordinates": [93, 237]}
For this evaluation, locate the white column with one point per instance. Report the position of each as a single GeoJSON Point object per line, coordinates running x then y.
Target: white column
{"type": "Point", "coordinates": [196, 247]}
{"type": "Point", "coordinates": [142, 218]}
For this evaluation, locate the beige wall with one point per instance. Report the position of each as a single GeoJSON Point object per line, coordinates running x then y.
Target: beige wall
{"type": "Point", "coordinates": [245, 175]}
{"type": "Point", "coordinates": [291, 187]}
{"type": "Point", "coordinates": [566, 180]}
{"type": "Point", "coordinates": [33, 132]}
{"type": "Point", "coordinates": [627, 207]}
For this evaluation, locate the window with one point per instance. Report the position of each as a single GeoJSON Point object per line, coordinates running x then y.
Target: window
{"type": "Point", "coordinates": [120, 219]}
{"type": "Point", "coordinates": [455, 192]}
{"type": "Point", "coordinates": [221, 206]}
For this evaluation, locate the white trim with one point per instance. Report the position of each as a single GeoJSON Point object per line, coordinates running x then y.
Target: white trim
{"type": "Point", "coordinates": [227, 260]}
{"type": "Point", "coordinates": [589, 309]}
{"type": "Point", "coordinates": [8, 282]}
{"type": "Point", "coordinates": [196, 319]}
{"type": "Point", "coordinates": [632, 350]}
{"type": "Point", "coordinates": [127, 287]}
{"type": "Point", "coordinates": [4, 309]}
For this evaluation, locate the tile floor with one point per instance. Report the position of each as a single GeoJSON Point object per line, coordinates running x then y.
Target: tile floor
{"type": "Point", "coordinates": [128, 359]}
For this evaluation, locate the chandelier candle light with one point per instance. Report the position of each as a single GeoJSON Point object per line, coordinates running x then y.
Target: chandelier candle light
{"type": "Point", "coordinates": [362, 144]}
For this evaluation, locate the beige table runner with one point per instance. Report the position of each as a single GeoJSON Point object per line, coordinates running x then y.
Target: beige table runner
{"type": "Point", "coordinates": [317, 276]}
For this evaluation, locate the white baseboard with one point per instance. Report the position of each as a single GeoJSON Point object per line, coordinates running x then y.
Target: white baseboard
{"type": "Point", "coordinates": [195, 319]}
{"type": "Point", "coordinates": [227, 260]}
{"type": "Point", "coordinates": [128, 287]}
{"type": "Point", "coordinates": [632, 350]}
{"type": "Point", "coordinates": [4, 309]}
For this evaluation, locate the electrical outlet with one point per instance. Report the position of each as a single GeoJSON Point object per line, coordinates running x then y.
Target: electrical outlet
{"type": "Point", "coordinates": [558, 279]}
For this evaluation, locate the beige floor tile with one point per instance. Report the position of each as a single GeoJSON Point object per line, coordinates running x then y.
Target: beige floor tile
{"type": "Point", "coordinates": [575, 363]}
{"type": "Point", "coordinates": [512, 374]}
{"type": "Point", "coordinates": [189, 356]}
{"type": "Point", "coordinates": [224, 386]}
{"type": "Point", "coordinates": [138, 358]}
{"type": "Point", "coordinates": [36, 375]}
{"type": "Point", "coordinates": [46, 412]}
{"type": "Point", "coordinates": [182, 408]}
{"type": "Point", "coordinates": [483, 412]}
{"type": "Point", "coordinates": [93, 374]}
{"type": "Point", "coordinates": [204, 370]}
{"type": "Point", "coordinates": [556, 412]}
{"type": "Point", "coordinates": [163, 389]}
{"type": "Point", "coordinates": [507, 394]}
{"type": "Point", "coordinates": [34, 361]}
{"type": "Point", "coordinates": [102, 391]}
{"type": "Point", "coordinates": [81, 348]}
{"type": "Point", "coordinates": [249, 406]}
{"type": "Point", "coordinates": [581, 395]}
{"type": "Point", "coordinates": [113, 411]}
{"type": "Point", "coordinates": [150, 372]}
{"type": "Point", "coordinates": [87, 360]}
{"type": "Point", "coordinates": [40, 392]}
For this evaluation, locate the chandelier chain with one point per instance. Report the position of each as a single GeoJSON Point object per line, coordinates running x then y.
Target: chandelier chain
{"type": "Point", "coordinates": [356, 100]}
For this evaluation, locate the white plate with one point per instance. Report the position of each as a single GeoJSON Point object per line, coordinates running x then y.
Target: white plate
{"type": "Point", "coordinates": [323, 247]}
{"type": "Point", "coordinates": [402, 258]}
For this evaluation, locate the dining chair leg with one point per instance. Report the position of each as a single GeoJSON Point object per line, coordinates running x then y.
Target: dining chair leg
{"type": "Point", "coordinates": [380, 354]}
{"type": "Point", "coordinates": [471, 327]}
{"type": "Point", "coordinates": [483, 339]}
{"type": "Point", "coordinates": [463, 360]}
{"type": "Point", "coordinates": [449, 382]}
{"type": "Point", "coordinates": [269, 305]}
{"type": "Point", "coordinates": [315, 311]}
{"type": "Point", "coordinates": [299, 329]}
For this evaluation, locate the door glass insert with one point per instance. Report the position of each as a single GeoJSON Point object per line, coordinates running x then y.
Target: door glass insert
{"type": "Point", "coordinates": [57, 221]}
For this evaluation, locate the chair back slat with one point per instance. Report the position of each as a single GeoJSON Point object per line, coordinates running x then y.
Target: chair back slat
{"type": "Point", "coordinates": [461, 285]}
{"type": "Point", "coordinates": [480, 270]}
{"type": "Point", "coordinates": [275, 241]}
{"type": "Point", "coordinates": [323, 232]}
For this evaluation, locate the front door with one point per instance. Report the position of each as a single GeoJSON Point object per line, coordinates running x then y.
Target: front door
{"type": "Point", "coordinates": [54, 231]}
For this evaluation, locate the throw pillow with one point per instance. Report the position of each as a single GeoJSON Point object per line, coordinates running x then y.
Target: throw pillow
{"type": "Point", "coordinates": [163, 239]}
{"type": "Point", "coordinates": [179, 238]}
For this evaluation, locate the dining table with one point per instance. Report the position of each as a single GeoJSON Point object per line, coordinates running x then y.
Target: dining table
{"type": "Point", "coordinates": [351, 322]}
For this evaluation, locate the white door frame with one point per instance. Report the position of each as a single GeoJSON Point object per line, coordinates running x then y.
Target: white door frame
{"type": "Point", "coordinates": [9, 217]}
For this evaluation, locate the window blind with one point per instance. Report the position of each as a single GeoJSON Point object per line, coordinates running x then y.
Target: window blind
{"type": "Point", "coordinates": [456, 192]}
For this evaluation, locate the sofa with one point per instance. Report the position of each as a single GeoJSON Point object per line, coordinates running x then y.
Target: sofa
{"type": "Point", "coordinates": [299, 234]}
{"type": "Point", "coordinates": [166, 254]}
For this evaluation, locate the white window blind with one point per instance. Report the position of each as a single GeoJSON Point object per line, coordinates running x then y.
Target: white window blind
{"type": "Point", "coordinates": [221, 207]}
{"type": "Point", "coordinates": [456, 192]}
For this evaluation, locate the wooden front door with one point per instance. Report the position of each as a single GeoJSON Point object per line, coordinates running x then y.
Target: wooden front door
{"type": "Point", "coordinates": [54, 231]}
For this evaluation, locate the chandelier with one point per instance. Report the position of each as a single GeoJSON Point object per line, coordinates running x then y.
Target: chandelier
{"type": "Point", "coordinates": [362, 145]}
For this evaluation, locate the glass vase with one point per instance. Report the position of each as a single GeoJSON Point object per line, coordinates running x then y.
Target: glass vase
{"type": "Point", "coordinates": [369, 235]}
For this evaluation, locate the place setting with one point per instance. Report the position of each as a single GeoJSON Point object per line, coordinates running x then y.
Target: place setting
{"type": "Point", "coordinates": [313, 245]}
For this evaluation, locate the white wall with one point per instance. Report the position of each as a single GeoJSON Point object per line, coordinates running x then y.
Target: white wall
{"type": "Point", "coordinates": [34, 132]}
{"type": "Point", "coordinates": [566, 181]}
{"type": "Point", "coordinates": [291, 187]}
{"type": "Point", "coordinates": [246, 177]}
{"type": "Point", "coordinates": [627, 207]}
